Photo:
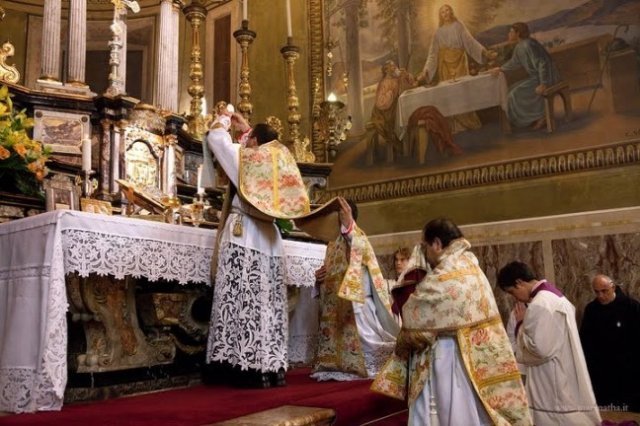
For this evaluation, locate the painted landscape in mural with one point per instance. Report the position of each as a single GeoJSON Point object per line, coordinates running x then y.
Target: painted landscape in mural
{"type": "Point", "coordinates": [439, 86]}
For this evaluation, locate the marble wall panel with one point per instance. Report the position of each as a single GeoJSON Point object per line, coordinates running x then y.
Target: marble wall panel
{"type": "Point", "coordinates": [565, 249]}
{"type": "Point", "coordinates": [577, 260]}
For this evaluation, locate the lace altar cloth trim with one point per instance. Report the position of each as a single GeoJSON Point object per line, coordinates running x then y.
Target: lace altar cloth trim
{"type": "Point", "coordinates": [101, 253]}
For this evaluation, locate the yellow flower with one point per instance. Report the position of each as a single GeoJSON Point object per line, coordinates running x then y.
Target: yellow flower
{"type": "Point", "coordinates": [29, 155]}
{"type": "Point", "coordinates": [4, 153]}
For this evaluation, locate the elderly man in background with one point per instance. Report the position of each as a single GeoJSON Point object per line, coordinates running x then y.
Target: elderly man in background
{"type": "Point", "coordinates": [610, 334]}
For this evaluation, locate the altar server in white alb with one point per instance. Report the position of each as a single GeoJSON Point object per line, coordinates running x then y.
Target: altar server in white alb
{"type": "Point", "coordinates": [548, 344]}
{"type": "Point", "coordinates": [249, 323]}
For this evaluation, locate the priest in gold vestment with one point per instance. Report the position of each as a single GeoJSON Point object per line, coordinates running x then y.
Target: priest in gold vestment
{"type": "Point", "coordinates": [453, 360]}
{"type": "Point", "coordinates": [248, 330]}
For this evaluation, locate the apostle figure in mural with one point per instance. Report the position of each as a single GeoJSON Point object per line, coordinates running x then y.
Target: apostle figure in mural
{"type": "Point", "coordinates": [453, 361]}
{"type": "Point", "coordinates": [610, 332]}
{"type": "Point", "coordinates": [249, 319]}
{"type": "Point", "coordinates": [394, 81]}
{"type": "Point", "coordinates": [526, 104]}
{"type": "Point", "coordinates": [448, 59]}
{"type": "Point", "coordinates": [548, 344]}
{"type": "Point", "coordinates": [357, 331]}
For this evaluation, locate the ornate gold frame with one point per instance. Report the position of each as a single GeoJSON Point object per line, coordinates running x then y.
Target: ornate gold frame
{"type": "Point", "coordinates": [609, 156]}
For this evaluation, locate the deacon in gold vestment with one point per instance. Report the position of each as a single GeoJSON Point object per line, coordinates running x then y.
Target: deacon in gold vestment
{"type": "Point", "coordinates": [357, 330]}
{"type": "Point", "coordinates": [453, 358]}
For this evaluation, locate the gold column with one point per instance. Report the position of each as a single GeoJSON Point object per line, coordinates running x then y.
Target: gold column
{"type": "Point", "coordinates": [196, 14]}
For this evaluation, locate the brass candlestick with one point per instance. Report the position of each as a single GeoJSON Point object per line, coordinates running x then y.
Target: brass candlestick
{"type": "Point", "coordinates": [291, 53]}
{"type": "Point", "coordinates": [196, 14]}
{"type": "Point", "coordinates": [333, 126]}
{"type": "Point", "coordinates": [244, 36]}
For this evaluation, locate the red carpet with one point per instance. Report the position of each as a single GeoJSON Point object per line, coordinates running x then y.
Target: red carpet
{"type": "Point", "coordinates": [353, 402]}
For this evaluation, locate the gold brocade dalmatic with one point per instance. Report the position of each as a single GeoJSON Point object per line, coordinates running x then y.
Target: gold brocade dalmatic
{"type": "Point", "coordinates": [339, 347]}
{"type": "Point", "coordinates": [269, 179]}
{"type": "Point", "coordinates": [456, 299]}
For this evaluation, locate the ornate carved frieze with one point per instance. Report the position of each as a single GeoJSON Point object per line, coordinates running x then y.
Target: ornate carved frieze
{"type": "Point", "coordinates": [623, 153]}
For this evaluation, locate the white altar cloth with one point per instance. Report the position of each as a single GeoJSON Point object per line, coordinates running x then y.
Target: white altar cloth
{"type": "Point", "coordinates": [38, 251]}
{"type": "Point", "coordinates": [466, 94]}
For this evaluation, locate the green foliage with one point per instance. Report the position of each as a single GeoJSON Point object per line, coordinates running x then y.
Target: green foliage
{"type": "Point", "coordinates": [284, 225]}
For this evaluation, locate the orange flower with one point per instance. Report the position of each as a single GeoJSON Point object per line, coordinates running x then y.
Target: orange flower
{"type": "Point", "coordinates": [33, 167]}
{"type": "Point", "coordinates": [20, 149]}
{"type": "Point", "coordinates": [4, 153]}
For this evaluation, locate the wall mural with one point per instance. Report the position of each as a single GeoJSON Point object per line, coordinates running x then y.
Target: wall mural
{"type": "Point", "coordinates": [449, 94]}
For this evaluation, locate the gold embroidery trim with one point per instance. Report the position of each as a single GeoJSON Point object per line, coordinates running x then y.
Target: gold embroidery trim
{"type": "Point", "coordinates": [457, 274]}
{"type": "Point", "coordinates": [276, 178]}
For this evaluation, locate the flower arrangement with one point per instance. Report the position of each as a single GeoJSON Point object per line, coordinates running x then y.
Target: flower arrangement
{"type": "Point", "coordinates": [22, 160]}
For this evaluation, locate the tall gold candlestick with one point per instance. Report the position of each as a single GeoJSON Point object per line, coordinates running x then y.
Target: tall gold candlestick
{"type": "Point", "coordinates": [290, 53]}
{"type": "Point", "coordinates": [196, 14]}
{"type": "Point", "coordinates": [245, 37]}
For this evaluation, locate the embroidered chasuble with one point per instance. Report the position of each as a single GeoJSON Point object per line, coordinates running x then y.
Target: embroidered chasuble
{"type": "Point", "coordinates": [455, 299]}
{"type": "Point", "coordinates": [269, 180]}
{"type": "Point", "coordinates": [339, 345]}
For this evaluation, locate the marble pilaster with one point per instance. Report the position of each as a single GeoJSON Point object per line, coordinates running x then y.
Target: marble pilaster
{"type": "Point", "coordinates": [167, 45]}
{"type": "Point", "coordinates": [50, 53]}
{"type": "Point", "coordinates": [77, 42]}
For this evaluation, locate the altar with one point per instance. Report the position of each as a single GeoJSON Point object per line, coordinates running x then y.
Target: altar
{"type": "Point", "coordinates": [40, 251]}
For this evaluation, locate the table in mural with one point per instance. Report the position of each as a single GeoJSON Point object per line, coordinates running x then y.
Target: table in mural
{"type": "Point", "coordinates": [465, 94]}
{"type": "Point", "coordinates": [37, 253]}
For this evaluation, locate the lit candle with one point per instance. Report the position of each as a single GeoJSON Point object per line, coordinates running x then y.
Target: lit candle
{"type": "Point", "coordinates": [245, 15]}
{"type": "Point", "coordinates": [86, 155]}
{"type": "Point", "coordinates": [200, 188]}
{"type": "Point", "coordinates": [332, 97]}
{"type": "Point", "coordinates": [289, 32]}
